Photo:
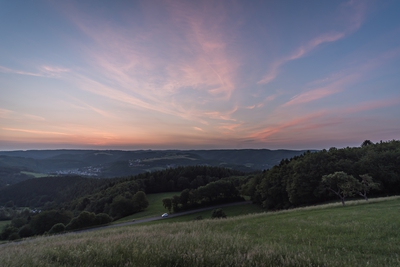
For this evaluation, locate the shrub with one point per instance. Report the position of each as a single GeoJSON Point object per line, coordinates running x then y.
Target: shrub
{"type": "Point", "coordinates": [85, 219]}
{"type": "Point", "coordinates": [102, 218]}
{"type": "Point", "coordinates": [14, 236]}
{"type": "Point", "coordinates": [57, 228]}
{"type": "Point", "coordinates": [18, 222]}
{"type": "Point", "coordinates": [43, 221]}
{"type": "Point", "coordinates": [8, 231]}
{"type": "Point", "coordinates": [218, 213]}
{"type": "Point", "coordinates": [25, 231]}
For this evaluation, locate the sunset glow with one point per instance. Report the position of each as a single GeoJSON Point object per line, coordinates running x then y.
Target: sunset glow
{"type": "Point", "coordinates": [198, 74]}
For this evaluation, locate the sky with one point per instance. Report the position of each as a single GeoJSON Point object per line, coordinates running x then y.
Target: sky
{"type": "Point", "coordinates": [198, 74]}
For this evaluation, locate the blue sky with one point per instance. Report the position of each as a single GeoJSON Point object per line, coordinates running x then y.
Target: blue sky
{"type": "Point", "coordinates": [198, 74]}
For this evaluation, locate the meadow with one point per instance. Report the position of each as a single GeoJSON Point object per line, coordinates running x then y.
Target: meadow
{"type": "Point", "coordinates": [36, 175]}
{"type": "Point", "coordinates": [359, 234]}
{"type": "Point", "coordinates": [154, 209]}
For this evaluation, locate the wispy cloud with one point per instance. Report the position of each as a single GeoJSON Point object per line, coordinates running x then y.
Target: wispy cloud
{"type": "Point", "coordinates": [35, 131]}
{"type": "Point", "coordinates": [306, 122]}
{"type": "Point", "coordinates": [44, 71]}
{"type": "Point", "coordinates": [12, 71]}
{"type": "Point", "coordinates": [4, 113]}
{"type": "Point", "coordinates": [53, 71]}
{"type": "Point", "coordinates": [34, 117]}
{"type": "Point", "coordinates": [353, 14]}
{"type": "Point", "coordinates": [231, 127]}
{"type": "Point", "coordinates": [318, 93]}
{"type": "Point", "coordinates": [187, 57]}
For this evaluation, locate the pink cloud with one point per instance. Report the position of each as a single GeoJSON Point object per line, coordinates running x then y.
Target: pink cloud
{"type": "Point", "coordinates": [4, 113]}
{"type": "Point", "coordinates": [198, 129]}
{"type": "Point", "coordinates": [34, 117]}
{"type": "Point", "coordinates": [305, 122]}
{"type": "Point", "coordinates": [315, 94]}
{"type": "Point", "coordinates": [226, 116]}
{"type": "Point", "coordinates": [34, 131]}
{"type": "Point", "coordinates": [187, 59]}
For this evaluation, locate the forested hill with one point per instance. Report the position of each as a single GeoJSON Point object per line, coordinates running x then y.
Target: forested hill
{"type": "Point", "coordinates": [297, 181]}
{"type": "Point", "coordinates": [74, 192]}
{"type": "Point", "coordinates": [16, 166]}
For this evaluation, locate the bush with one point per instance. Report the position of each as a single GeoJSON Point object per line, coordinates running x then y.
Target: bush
{"type": "Point", "coordinates": [85, 219]}
{"type": "Point", "coordinates": [102, 218]}
{"type": "Point", "coordinates": [57, 228]}
{"type": "Point", "coordinates": [218, 213]}
{"type": "Point", "coordinates": [198, 218]}
{"type": "Point", "coordinates": [25, 231]}
{"type": "Point", "coordinates": [121, 207]}
{"type": "Point", "coordinates": [45, 220]}
{"type": "Point", "coordinates": [8, 231]}
{"type": "Point", "coordinates": [14, 236]}
{"type": "Point", "coordinates": [18, 222]}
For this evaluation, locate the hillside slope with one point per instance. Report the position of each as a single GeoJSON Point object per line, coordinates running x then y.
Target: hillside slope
{"type": "Point", "coordinates": [356, 235]}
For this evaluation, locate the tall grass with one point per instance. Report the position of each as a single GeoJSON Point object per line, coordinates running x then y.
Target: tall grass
{"type": "Point", "coordinates": [355, 235]}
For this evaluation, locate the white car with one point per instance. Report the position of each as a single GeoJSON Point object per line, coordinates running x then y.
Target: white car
{"type": "Point", "coordinates": [164, 215]}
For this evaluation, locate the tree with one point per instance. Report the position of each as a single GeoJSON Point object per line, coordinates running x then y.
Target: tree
{"type": "Point", "coordinates": [43, 221]}
{"type": "Point", "coordinates": [366, 185]}
{"type": "Point", "coordinates": [57, 228]}
{"type": "Point", "coordinates": [140, 201]}
{"type": "Point", "coordinates": [341, 184]}
{"type": "Point", "coordinates": [175, 203]}
{"type": "Point", "coordinates": [184, 197]}
{"type": "Point", "coordinates": [121, 207]}
{"type": "Point", "coordinates": [366, 143]}
{"type": "Point", "coordinates": [218, 213]}
{"type": "Point", "coordinates": [25, 231]}
{"type": "Point", "coordinates": [8, 231]}
{"type": "Point", "coordinates": [9, 204]}
{"type": "Point", "coordinates": [18, 222]}
{"type": "Point", "coordinates": [167, 203]}
{"type": "Point", "coordinates": [102, 218]}
{"type": "Point", "coordinates": [85, 219]}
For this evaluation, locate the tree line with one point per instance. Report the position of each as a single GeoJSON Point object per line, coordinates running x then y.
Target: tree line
{"type": "Point", "coordinates": [221, 191]}
{"type": "Point", "coordinates": [299, 181]}
{"type": "Point", "coordinates": [74, 202]}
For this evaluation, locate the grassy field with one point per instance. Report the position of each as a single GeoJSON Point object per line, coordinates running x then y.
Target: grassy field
{"type": "Point", "coordinates": [359, 234]}
{"type": "Point", "coordinates": [238, 210]}
{"type": "Point", "coordinates": [155, 207]}
{"type": "Point", "coordinates": [34, 174]}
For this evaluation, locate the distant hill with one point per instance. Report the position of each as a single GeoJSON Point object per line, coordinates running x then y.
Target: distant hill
{"type": "Point", "coordinates": [117, 163]}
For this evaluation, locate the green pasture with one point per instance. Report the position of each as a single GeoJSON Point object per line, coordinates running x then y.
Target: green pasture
{"type": "Point", "coordinates": [34, 174]}
{"type": "Point", "coordinates": [359, 234]}
{"type": "Point", "coordinates": [155, 207]}
{"type": "Point", "coordinates": [171, 157]}
{"type": "Point", "coordinates": [237, 210]}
